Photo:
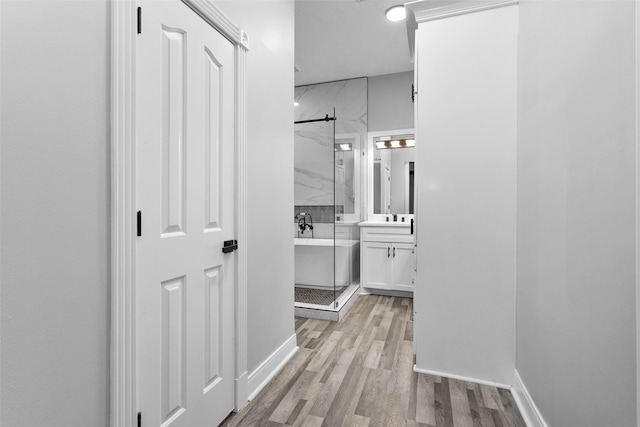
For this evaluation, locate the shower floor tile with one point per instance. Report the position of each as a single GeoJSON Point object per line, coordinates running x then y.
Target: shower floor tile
{"type": "Point", "coordinates": [316, 296]}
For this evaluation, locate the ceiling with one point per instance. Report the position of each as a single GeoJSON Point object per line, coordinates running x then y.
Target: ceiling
{"type": "Point", "coordinates": [342, 39]}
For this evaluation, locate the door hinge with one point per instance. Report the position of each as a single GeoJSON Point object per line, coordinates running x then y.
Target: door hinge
{"type": "Point", "coordinates": [413, 93]}
{"type": "Point", "coordinates": [139, 221]}
{"type": "Point", "coordinates": [139, 20]}
{"type": "Point", "coordinates": [139, 419]}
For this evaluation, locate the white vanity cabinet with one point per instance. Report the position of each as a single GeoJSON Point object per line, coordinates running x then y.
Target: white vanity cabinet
{"type": "Point", "coordinates": [387, 253]}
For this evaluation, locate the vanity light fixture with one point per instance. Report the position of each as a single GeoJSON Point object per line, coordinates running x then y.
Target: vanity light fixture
{"type": "Point", "coordinates": [384, 143]}
{"type": "Point", "coordinates": [343, 147]}
{"type": "Point", "coordinates": [396, 13]}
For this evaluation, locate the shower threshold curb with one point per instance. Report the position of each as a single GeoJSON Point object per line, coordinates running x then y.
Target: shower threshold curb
{"type": "Point", "coordinates": [333, 315]}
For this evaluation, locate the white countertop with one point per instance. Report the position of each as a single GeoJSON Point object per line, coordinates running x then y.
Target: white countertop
{"type": "Point", "coordinates": [384, 224]}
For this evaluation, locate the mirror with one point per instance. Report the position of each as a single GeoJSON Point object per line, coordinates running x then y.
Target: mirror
{"type": "Point", "coordinates": [345, 176]}
{"type": "Point", "coordinates": [391, 173]}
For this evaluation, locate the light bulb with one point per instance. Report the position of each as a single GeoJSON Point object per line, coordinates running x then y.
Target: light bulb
{"type": "Point", "coordinates": [395, 13]}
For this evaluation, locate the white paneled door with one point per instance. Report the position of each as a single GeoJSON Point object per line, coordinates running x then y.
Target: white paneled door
{"type": "Point", "coordinates": [185, 193]}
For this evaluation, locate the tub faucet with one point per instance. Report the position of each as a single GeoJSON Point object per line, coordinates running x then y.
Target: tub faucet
{"type": "Point", "coordinates": [302, 223]}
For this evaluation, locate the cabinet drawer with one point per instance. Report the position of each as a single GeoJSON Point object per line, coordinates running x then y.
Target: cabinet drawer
{"type": "Point", "coordinates": [387, 234]}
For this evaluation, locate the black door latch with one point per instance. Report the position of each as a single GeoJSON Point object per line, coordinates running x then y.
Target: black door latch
{"type": "Point", "coordinates": [229, 246]}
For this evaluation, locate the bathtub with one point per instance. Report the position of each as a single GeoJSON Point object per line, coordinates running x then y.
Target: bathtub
{"type": "Point", "coordinates": [315, 265]}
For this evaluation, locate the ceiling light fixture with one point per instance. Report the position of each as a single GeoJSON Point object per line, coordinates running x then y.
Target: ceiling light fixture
{"type": "Point", "coordinates": [395, 13]}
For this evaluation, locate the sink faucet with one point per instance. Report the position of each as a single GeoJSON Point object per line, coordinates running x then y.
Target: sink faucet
{"type": "Point", "coordinates": [302, 223]}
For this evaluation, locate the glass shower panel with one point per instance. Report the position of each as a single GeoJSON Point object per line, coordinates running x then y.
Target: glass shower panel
{"type": "Point", "coordinates": [314, 196]}
{"type": "Point", "coordinates": [347, 270]}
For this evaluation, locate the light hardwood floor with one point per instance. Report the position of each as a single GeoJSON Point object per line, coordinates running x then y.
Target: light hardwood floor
{"type": "Point", "coordinates": [358, 372]}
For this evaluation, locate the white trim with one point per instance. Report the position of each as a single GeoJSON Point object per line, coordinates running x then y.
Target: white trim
{"type": "Point", "coordinates": [460, 377]}
{"type": "Point", "coordinates": [241, 393]}
{"type": "Point", "coordinates": [386, 292]}
{"type": "Point", "coordinates": [0, 232]}
{"type": "Point", "coordinates": [123, 343]}
{"type": "Point", "coordinates": [430, 10]}
{"type": "Point", "coordinates": [268, 369]}
{"type": "Point", "coordinates": [214, 16]}
{"type": "Point", "coordinates": [528, 409]}
{"type": "Point", "coordinates": [637, 148]}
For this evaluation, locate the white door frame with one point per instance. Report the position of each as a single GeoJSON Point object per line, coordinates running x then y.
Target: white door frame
{"type": "Point", "coordinates": [637, 107]}
{"type": "Point", "coordinates": [123, 203]}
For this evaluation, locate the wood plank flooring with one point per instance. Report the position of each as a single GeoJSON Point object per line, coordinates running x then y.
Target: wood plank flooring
{"type": "Point", "coordinates": [359, 372]}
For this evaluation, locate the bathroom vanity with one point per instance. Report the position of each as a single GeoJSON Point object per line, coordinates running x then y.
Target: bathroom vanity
{"type": "Point", "coordinates": [387, 245]}
{"type": "Point", "coordinates": [387, 256]}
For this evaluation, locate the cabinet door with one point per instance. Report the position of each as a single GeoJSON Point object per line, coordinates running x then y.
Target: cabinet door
{"type": "Point", "coordinates": [375, 262]}
{"type": "Point", "coordinates": [402, 266]}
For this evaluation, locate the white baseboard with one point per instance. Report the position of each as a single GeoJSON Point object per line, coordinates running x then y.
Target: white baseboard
{"type": "Point", "coordinates": [386, 292]}
{"type": "Point", "coordinates": [268, 369]}
{"type": "Point", "coordinates": [461, 378]}
{"type": "Point", "coordinates": [526, 405]}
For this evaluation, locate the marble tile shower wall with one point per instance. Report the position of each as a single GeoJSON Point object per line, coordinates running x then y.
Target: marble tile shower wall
{"type": "Point", "coordinates": [314, 152]}
{"type": "Point", "coordinates": [313, 164]}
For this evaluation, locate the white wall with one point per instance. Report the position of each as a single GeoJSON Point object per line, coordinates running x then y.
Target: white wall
{"type": "Point", "coordinates": [466, 183]}
{"type": "Point", "coordinates": [576, 315]}
{"type": "Point", "coordinates": [54, 211]}
{"type": "Point", "coordinates": [390, 105]}
{"type": "Point", "coordinates": [270, 25]}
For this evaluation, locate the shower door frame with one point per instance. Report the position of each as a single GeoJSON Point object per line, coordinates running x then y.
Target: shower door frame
{"type": "Point", "coordinates": [333, 305]}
